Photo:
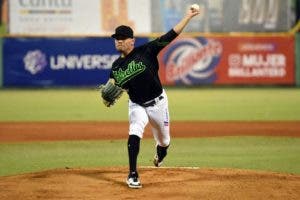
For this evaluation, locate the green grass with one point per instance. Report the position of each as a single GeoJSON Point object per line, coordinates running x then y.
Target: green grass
{"type": "Point", "coordinates": [263, 153]}
{"type": "Point", "coordinates": [57, 105]}
{"type": "Point", "coordinates": [185, 104]}
{"type": "Point", "coordinates": [235, 104]}
{"type": "Point", "coordinates": [260, 153]}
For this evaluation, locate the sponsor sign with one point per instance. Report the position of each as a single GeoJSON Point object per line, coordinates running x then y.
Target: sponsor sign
{"type": "Point", "coordinates": [136, 14]}
{"type": "Point", "coordinates": [165, 14]}
{"type": "Point", "coordinates": [191, 61]}
{"type": "Point", "coordinates": [225, 15]}
{"type": "Point", "coordinates": [229, 60]}
{"type": "Point", "coordinates": [44, 62]}
{"type": "Point", "coordinates": [77, 16]}
{"type": "Point", "coordinates": [257, 15]}
{"type": "Point", "coordinates": [54, 17]}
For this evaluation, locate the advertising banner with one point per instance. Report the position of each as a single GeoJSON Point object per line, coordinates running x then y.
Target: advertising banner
{"type": "Point", "coordinates": [229, 60]}
{"type": "Point", "coordinates": [225, 15]}
{"type": "Point", "coordinates": [1, 63]}
{"type": "Point", "coordinates": [44, 62]}
{"type": "Point", "coordinates": [77, 16]}
{"type": "Point", "coordinates": [167, 13]}
{"type": "Point", "coordinates": [147, 16]}
{"type": "Point", "coordinates": [136, 14]}
{"type": "Point", "coordinates": [257, 15]}
{"type": "Point", "coordinates": [54, 17]}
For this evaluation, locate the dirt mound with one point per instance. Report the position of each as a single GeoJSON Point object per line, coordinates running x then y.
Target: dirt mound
{"type": "Point", "coordinates": [161, 183]}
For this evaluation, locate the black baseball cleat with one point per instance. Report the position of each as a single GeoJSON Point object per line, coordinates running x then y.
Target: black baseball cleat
{"type": "Point", "coordinates": [133, 181]}
{"type": "Point", "coordinates": [157, 162]}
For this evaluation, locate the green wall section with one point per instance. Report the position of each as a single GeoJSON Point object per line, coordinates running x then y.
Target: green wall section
{"type": "Point", "coordinates": [298, 59]}
{"type": "Point", "coordinates": [1, 62]}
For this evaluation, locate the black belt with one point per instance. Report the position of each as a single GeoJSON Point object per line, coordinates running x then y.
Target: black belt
{"type": "Point", "coordinates": [152, 102]}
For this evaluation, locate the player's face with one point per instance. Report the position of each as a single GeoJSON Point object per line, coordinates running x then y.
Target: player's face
{"type": "Point", "coordinates": [124, 45]}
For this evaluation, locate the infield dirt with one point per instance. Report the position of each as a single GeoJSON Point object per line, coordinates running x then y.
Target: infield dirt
{"type": "Point", "coordinates": [53, 131]}
{"type": "Point", "coordinates": [159, 183]}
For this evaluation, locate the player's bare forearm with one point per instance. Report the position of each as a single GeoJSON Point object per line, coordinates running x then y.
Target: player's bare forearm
{"type": "Point", "coordinates": [178, 28]}
{"type": "Point", "coordinates": [111, 80]}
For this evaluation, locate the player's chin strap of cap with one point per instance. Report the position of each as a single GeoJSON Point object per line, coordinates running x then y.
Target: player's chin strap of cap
{"type": "Point", "coordinates": [152, 102]}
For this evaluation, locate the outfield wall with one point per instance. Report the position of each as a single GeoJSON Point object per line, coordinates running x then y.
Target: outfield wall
{"type": "Point", "coordinates": [297, 53]}
{"type": "Point", "coordinates": [47, 62]}
{"type": "Point", "coordinates": [1, 64]}
{"type": "Point", "coordinates": [189, 60]}
{"type": "Point", "coordinates": [67, 42]}
{"type": "Point", "coordinates": [229, 60]}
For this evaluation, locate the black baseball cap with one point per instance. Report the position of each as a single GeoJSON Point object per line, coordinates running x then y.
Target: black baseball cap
{"type": "Point", "coordinates": [123, 32]}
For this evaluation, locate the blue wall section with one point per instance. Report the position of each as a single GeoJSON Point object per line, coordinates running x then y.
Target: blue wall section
{"type": "Point", "coordinates": [45, 62]}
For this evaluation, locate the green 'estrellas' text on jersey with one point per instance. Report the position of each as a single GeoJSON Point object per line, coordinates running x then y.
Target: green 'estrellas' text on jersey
{"type": "Point", "coordinates": [138, 71]}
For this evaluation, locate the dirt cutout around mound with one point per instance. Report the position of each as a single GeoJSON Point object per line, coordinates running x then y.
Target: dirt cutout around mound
{"type": "Point", "coordinates": [158, 183]}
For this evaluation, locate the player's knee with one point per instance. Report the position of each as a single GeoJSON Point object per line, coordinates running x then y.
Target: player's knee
{"type": "Point", "coordinates": [136, 130]}
{"type": "Point", "coordinates": [165, 142]}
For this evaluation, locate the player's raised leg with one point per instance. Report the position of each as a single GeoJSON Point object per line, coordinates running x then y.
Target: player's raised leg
{"type": "Point", "coordinates": [160, 122]}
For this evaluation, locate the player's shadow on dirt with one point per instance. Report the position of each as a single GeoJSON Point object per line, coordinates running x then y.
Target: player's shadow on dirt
{"type": "Point", "coordinates": [104, 175]}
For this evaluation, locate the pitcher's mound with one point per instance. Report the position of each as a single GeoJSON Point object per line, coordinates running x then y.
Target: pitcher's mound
{"type": "Point", "coordinates": [158, 183]}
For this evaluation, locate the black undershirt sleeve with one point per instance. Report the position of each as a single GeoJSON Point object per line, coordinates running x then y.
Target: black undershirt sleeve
{"type": "Point", "coordinates": [158, 44]}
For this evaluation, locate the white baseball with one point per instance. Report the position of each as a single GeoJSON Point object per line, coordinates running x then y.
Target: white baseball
{"type": "Point", "coordinates": [195, 7]}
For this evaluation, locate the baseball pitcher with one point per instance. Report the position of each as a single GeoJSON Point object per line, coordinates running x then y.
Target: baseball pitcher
{"type": "Point", "coordinates": [136, 72]}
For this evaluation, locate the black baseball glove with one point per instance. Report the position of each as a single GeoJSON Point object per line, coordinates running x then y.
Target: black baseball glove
{"type": "Point", "coordinates": [110, 93]}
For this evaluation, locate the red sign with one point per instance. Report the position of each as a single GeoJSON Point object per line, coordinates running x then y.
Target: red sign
{"type": "Point", "coordinates": [229, 60]}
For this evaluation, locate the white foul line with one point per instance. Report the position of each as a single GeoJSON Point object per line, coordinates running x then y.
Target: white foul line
{"type": "Point", "coordinates": [153, 167]}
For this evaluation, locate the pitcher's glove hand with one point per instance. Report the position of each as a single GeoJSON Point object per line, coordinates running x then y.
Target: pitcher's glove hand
{"type": "Point", "coordinates": [110, 93]}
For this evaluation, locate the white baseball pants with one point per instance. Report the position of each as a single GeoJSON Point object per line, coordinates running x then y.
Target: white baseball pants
{"type": "Point", "coordinates": [157, 115]}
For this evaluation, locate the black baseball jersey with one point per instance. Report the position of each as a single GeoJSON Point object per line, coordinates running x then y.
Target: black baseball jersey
{"type": "Point", "coordinates": [138, 71]}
